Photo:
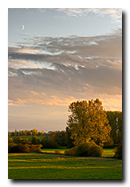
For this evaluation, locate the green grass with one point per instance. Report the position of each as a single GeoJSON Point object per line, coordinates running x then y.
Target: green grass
{"type": "Point", "coordinates": [28, 137]}
{"type": "Point", "coordinates": [106, 152]}
{"type": "Point", "coordinates": [49, 150]}
{"type": "Point", "coordinates": [52, 166]}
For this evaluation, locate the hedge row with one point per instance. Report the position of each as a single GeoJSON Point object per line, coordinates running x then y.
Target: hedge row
{"type": "Point", "coordinates": [23, 148]}
{"type": "Point", "coordinates": [45, 142]}
{"type": "Point", "coordinates": [118, 151]}
{"type": "Point", "coordinates": [85, 149]}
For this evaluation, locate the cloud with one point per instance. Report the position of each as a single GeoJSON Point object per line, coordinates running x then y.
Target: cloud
{"type": "Point", "coordinates": [70, 49]}
{"type": "Point", "coordinates": [63, 85]}
{"type": "Point", "coordinates": [22, 49]}
{"type": "Point", "coordinates": [10, 102]}
{"type": "Point", "coordinates": [57, 71]}
{"type": "Point", "coordinates": [114, 13]}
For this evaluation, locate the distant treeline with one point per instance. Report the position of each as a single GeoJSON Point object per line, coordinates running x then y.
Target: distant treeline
{"type": "Point", "coordinates": [115, 121]}
{"type": "Point", "coordinates": [33, 132]}
{"type": "Point", "coordinates": [63, 138]}
{"type": "Point", "coordinates": [31, 144]}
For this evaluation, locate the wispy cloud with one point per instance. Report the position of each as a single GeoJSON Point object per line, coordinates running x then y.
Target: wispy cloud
{"type": "Point", "coordinates": [114, 13]}
{"type": "Point", "coordinates": [107, 46]}
{"type": "Point", "coordinates": [56, 71]}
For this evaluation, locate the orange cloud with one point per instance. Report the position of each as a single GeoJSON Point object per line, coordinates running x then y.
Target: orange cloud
{"type": "Point", "coordinates": [110, 102]}
{"type": "Point", "coordinates": [50, 100]}
{"type": "Point", "coordinates": [27, 50]}
{"type": "Point", "coordinates": [10, 102]}
{"type": "Point", "coordinates": [34, 93]}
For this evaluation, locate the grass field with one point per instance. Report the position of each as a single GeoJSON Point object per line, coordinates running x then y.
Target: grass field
{"type": "Point", "coordinates": [106, 152]}
{"type": "Point", "coordinates": [28, 137]}
{"type": "Point", "coordinates": [52, 166]}
{"type": "Point", "coordinates": [47, 150]}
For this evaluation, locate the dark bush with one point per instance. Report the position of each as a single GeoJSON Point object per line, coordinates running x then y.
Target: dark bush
{"type": "Point", "coordinates": [25, 148]}
{"type": "Point", "coordinates": [95, 151]}
{"type": "Point", "coordinates": [25, 141]}
{"type": "Point", "coordinates": [45, 142]}
{"type": "Point", "coordinates": [82, 149]}
{"type": "Point", "coordinates": [35, 148]}
{"type": "Point", "coordinates": [85, 149]}
{"type": "Point", "coordinates": [10, 140]}
{"type": "Point", "coordinates": [16, 140]}
{"type": "Point", "coordinates": [109, 144]}
{"type": "Point", "coordinates": [35, 140]}
{"type": "Point", "coordinates": [72, 151]}
{"type": "Point", "coordinates": [10, 145]}
{"type": "Point", "coordinates": [18, 148]}
{"type": "Point", "coordinates": [48, 143]}
{"type": "Point", "coordinates": [57, 152]}
{"type": "Point", "coordinates": [118, 151]}
{"type": "Point", "coordinates": [54, 144]}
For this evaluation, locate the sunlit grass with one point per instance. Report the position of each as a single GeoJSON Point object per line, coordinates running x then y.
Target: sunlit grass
{"type": "Point", "coordinates": [106, 152]}
{"type": "Point", "coordinates": [64, 167]}
{"type": "Point", "coordinates": [47, 150]}
{"type": "Point", "coordinates": [52, 166]}
{"type": "Point", "coordinates": [18, 154]}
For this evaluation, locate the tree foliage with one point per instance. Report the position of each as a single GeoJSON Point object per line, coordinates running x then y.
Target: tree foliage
{"type": "Point", "coordinates": [118, 151]}
{"type": "Point", "coordinates": [47, 142]}
{"type": "Point", "coordinates": [60, 137]}
{"type": "Point", "coordinates": [35, 140]}
{"type": "Point", "coordinates": [88, 122]}
{"type": "Point", "coordinates": [69, 140]}
{"type": "Point", "coordinates": [34, 132]}
{"type": "Point", "coordinates": [115, 121]}
{"type": "Point", "coordinates": [85, 149]}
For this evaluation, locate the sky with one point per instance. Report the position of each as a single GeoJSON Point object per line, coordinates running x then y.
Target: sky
{"type": "Point", "coordinates": [58, 56]}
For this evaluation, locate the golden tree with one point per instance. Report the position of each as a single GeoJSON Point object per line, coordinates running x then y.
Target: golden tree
{"type": "Point", "coordinates": [88, 122]}
{"type": "Point", "coordinates": [34, 132]}
{"type": "Point", "coordinates": [26, 132]}
{"type": "Point", "coordinates": [42, 132]}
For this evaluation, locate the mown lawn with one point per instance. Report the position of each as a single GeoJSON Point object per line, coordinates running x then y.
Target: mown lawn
{"type": "Point", "coordinates": [52, 150]}
{"type": "Point", "coordinates": [52, 166]}
{"type": "Point", "coordinates": [28, 137]}
{"type": "Point", "coordinates": [106, 152]}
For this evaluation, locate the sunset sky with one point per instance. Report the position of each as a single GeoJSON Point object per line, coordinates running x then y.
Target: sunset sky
{"type": "Point", "coordinates": [57, 56]}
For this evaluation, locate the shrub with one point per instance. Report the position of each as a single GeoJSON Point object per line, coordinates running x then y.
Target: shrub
{"type": "Point", "coordinates": [73, 151]}
{"type": "Point", "coordinates": [85, 149]}
{"type": "Point", "coordinates": [95, 151]}
{"type": "Point", "coordinates": [66, 152]}
{"type": "Point", "coordinates": [48, 143]}
{"type": "Point", "coordinates": [54, 144]}
{"type": "Point", "coordinates": [108, 144]}
{"type": "Point", "coordinates": [35, 140]}
{"type": "Point", "coordinates": [10, 140]}
{"type": "Point", "coordinates": [16, 140]}
{"type": "Point", "coordinates": [18, 148]}
{"type": "Point", "coordinates": [25, 148]}
{"type": "Point", "coordinates": [118, 151]}
{"type": "Point", "coordinates": [82, 149]}
{"type": "Point", "coordinates": [35, 148]}
{"type": "Point", "coordinates": [45, 143]}
{"type": "Point", "coordinates": [57, 152]}
{"type": "Point", "coordinates": [25, 141]}
{"type": "Point", "coordinates": [10, 145]}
